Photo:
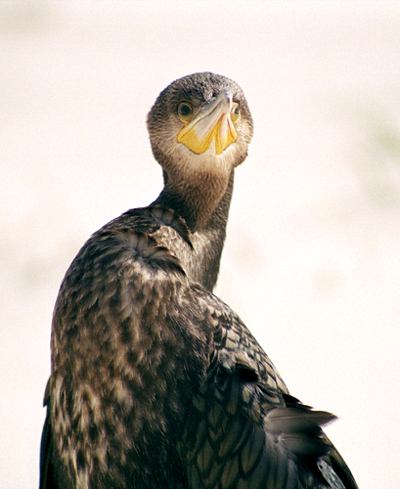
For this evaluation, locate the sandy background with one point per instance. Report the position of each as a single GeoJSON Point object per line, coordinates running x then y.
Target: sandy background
{"type": "Point", "coordinates": [312, 260]}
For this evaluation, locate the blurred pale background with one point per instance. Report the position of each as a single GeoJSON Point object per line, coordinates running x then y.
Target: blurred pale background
{"type": "Point", "coordinates": [312, 260]}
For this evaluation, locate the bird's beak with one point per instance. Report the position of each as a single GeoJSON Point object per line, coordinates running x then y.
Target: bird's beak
{"type": "Point", "coordinates": [213, 121]}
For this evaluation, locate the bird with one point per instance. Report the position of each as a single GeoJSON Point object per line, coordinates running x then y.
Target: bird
{"type": "Point", "coordinates": [155, 381]}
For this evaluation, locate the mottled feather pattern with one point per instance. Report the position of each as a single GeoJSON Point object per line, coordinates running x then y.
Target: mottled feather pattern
{"type": "Point", "coordinates": [156, 383]}
{"type": "Point", "coordinates": [123, 347]}
{"type": "Point", "coordinates": [235, 427]}
{"type": "Point", "coordinates": [244, 429]}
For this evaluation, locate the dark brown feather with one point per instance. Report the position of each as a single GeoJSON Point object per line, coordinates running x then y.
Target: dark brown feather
{"type": "Point", "coordinates": [155, 381]}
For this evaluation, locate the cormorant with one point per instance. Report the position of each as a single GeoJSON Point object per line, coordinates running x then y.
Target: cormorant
{"type": "Point", "coordinates": [155, 382]}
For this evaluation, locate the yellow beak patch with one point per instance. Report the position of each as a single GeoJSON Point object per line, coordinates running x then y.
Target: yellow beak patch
{"type": "Point", "coordinates": [212, 122]}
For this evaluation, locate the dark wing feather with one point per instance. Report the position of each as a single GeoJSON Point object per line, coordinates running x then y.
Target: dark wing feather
{"type": "Point", "coordinates": [46, 465]}
{"type": "Point", "coordinates": [246, 432]}
{"type": "Point", "coordinates": [169, 390]}
{"type": "Point", "coordinates": [128, 352]}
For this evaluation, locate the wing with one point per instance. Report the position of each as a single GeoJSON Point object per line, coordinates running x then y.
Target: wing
{"type": "Point", "coordinates": [157, 383]}
{"type": "Point", "coordinates": [46, 464]}
{"type": "Point", "coordinates": [246, 432]}
{"type": "Point", "coordinates": [128, 352]}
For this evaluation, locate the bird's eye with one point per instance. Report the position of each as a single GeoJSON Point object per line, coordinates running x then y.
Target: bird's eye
{"type": "Point", "coordinates": [235, 112]}
{"type": "Point", "coordinates": [185, 111]}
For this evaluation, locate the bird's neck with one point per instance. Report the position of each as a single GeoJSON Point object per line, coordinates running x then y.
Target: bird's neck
{"type": "Point", "coordinates": [207, 221]}
{"type": "Point", "coordinates": [204, 206]}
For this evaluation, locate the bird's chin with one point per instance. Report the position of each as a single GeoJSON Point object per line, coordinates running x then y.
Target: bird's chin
{"type": "Point", "coordinates": [209, 160]}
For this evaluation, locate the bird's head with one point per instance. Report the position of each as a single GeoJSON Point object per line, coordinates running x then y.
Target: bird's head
{"type": "Point", "coordinates": [200, 125]}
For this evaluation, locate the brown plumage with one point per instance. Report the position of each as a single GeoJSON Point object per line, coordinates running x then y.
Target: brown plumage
{"type": "Point", "coordinates": [156, 383]}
